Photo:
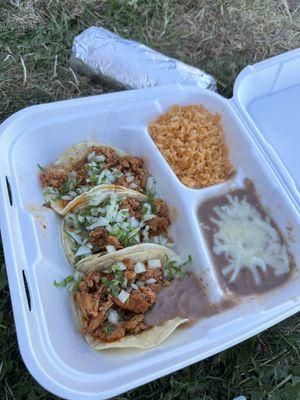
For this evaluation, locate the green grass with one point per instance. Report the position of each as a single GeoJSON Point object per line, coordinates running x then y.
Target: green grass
{"type": "Point", "coordinates": [220, 36]}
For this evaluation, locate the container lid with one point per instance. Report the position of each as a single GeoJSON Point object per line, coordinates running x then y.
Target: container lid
{"type": "Point", "coordinates": [267, 97]}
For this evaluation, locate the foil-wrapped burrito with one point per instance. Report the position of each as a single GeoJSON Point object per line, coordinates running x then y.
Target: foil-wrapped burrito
{"type": "Point", "coordinates": [97, 52]}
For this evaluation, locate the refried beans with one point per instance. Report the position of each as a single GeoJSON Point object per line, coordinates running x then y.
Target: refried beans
{"type": "Point", "coordinates": [185, 297]}
{"type": "Point", "coordinates": [247, 247]}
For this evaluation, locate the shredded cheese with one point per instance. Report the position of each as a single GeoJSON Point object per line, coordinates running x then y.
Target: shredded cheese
{"type": "Point", "coordinates": [247, 240]}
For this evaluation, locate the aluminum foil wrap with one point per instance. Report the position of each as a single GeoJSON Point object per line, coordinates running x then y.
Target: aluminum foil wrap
{"type": "Point", "coordinates": [97, 52]}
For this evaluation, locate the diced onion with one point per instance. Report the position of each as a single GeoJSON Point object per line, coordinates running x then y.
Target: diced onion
{"type": "Point", "coordinates": [116, 173]}
{"type": "Point", "coordinates": [163, 240]}
{"type": "Point", "coordinates": [156, 239]}
{"type": "Point", "coordinates": [139, 267]}
{"type": "Point", "coordinates": [106, 177]}
{"type": "Point", "coordinates": [150, 186]}
{"type": "Point", "coordinates": [66, 197]}
{"type": "Point", "coordinates": [110, 248]}
{"type": "Point", "coordinates": [75, 237]}
{"type": "Point", "coordinates": [91, 155]}
{"type": "Point", "coordinates": [145, 234]}
{"type": "Point", "coordinates": [121, 265]}
{"type": "Point", "coordinates": [137, 238]}
{"type": "Point", "coordinates": [124, 284]}
{"type": "Point", "coordinates": [73, 174]}
{"type": "Point", "coordinates": [134, 222]}
{"type": "Point", "coordinates": [129, 178]}
{"type": "Point", "coordinates": [133, 185]}
{"type": "Point", "coordinates": [101, 221]}
{"type": "Point", "coordinates": [121, 215]}
{"type": "Point", "coordinates": [82, 251]}
{"type": "Point", "coordinates": [99, 158]}
{"type": "Point", "coordinates": [113, 317]}
{"type": "Point", "coordinates": [150, 281]}
{"type": "Point", "coordinates": [134, 286]}
{"type": "Point", "coordinates": [73, 193]}
{"type": "Point", "coordinates": [123, 296]}
{"type": "Point", "coordinates": [148, 217]}
{"type": "Point", "coordinates": [154, 263]}
{"type": "Point", "coordinates": [80, 218]}
{"type": "Point", "coordinates": [140, 283]}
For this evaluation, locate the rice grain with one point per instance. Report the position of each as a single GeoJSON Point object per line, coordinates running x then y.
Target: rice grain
{"type": "Point", "coordinates": [192, 141]}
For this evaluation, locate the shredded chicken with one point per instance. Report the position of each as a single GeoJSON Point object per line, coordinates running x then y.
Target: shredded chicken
{"type": "Point", "coordinates": [131, 162]}
{"type": "Point", "coordinates": [133, 206]}
{"type": "Point", "coordinates": [113, 241]}
{"type": "Point", "coordinates": [111, 156]}
{"type": "Point", "coordinates": [100, 238]}
{"type": "Point", "coordinates": [116, 332]}
{"type": "Point", "coordinates": [158, 225]}
{"type": "Point", "coordinates": [95, 297]}
{"type": "Point", "coordinates": [139, 300]}
{"type": "Point", "coordinates": [155, 273]}
{"type": "Point", "coordinates": [129, 274]}
{"type": "Point", "coordinates": [54, 177]}
{"type": "Point", "coordinates": [161, 208]}
{"type": "Point", "coordinates": [135, 324]}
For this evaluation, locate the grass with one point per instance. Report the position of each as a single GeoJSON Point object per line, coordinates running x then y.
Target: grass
{"type": "Point", "coordinates": [220, 36]}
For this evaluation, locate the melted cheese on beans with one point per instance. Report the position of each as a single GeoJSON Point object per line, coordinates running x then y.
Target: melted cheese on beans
{"type": "Point", "coordinates": [246, 240]}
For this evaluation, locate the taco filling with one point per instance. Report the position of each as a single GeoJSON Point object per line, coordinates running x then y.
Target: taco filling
{"type": "Point", "coordinates": [115, 223]}
{"type": "Point", "coordinates": [112, 303]}
{"type": "Point", "coordinates": [62, 182]}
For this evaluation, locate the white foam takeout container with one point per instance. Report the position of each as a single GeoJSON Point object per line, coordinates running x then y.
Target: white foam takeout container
{"type": "Point", "coordinates": [261, 125]}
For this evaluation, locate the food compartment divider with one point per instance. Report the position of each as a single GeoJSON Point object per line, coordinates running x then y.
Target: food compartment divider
{"type": "Point", "coordinates": [184, 227]}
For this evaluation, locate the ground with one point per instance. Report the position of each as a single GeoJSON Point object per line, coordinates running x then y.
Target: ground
{"type": "Point", "coordinates": [220, 36]}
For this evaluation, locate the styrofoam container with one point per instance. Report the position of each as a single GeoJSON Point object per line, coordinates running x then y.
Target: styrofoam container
{"type": "Point", "coordinates": [261, 124]}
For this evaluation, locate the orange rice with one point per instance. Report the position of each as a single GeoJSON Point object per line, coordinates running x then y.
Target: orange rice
{"type": "Point", "coordinates": [192, 141]}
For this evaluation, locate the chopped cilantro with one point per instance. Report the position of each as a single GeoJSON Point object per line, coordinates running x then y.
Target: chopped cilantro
{"type": "Point", "coordinates": [40, 167]}
{"type": "Point", "coordinates": [124, 237]}
{"type": "Point", "coordinates": [71, 281]}
{"type": "Point", "coordinates": [64, 282]}
{"type": "Point", "coordinates": [93, 179]}
{"type": "Point", "coordinates": [47, 204]}
{"type": "Point", "coordinates": [144, 209]}
{"type": "Point", "coordinates": [113, 285]}
{"type": "Point", "coordinates": [173, 269]}
{"type": "Point", "coordinates": [108, 329]}
{"type": "Point", "coordinates": [151, 199]}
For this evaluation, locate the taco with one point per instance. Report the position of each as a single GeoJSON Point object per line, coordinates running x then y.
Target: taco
{"type": "Point", "coordinates": [109, 218]}
{"type": "Point", "coordinates": [87, 165]}
{"type": "Point", "coordinates": [115, 292]}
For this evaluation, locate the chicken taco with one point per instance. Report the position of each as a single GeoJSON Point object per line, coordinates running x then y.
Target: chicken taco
{"type": "Point", "coordinates": [87, 165]}
{"type": "Point", "coordinates": [114, 293]}
{"type": "Point", "coordinates": [109, 218]}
